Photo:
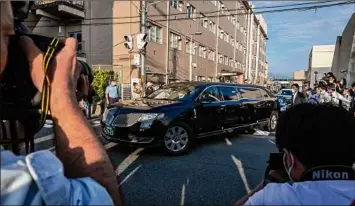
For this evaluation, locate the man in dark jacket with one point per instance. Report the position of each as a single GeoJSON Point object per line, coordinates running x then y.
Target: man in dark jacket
{"type": "Point", "coordinates": [298, 97]}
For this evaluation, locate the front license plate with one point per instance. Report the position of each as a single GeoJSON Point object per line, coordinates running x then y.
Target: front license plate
{"type": "Point", "coordinates": [109, 131]}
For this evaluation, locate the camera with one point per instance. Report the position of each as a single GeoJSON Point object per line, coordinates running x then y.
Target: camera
{"type": "Point", "coordinates": [20, 100]}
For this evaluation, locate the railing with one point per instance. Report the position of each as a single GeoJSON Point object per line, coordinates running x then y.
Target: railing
{"type": "Point", "coordinates": [75, 3]}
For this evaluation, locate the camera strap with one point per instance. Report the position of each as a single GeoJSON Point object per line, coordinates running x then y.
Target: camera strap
{"type": "Point", "coordinates": [329, 173]}
{"type": "Point", "coordinates": [47, 58]}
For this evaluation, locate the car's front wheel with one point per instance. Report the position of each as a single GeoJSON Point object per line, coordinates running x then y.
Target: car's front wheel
{"type": "Point", "coordinates": [178, 138]}
{"type": "Point", "coordinates": [272, 123]}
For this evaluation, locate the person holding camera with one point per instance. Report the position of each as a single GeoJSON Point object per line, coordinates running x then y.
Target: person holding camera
{"type": "Point", "coordinates": [81, 172]}
{"type": "Point", "coordinates": [317, 162]}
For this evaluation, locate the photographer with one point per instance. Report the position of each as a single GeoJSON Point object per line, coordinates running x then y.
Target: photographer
{"type": "Point", "coordinates": [317, 161]}
{"type": "Point", "coordinates": [81, 173]}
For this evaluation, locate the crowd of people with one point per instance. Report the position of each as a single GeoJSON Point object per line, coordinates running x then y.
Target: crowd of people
{"type": "Point", "coordinates": [331, 91]}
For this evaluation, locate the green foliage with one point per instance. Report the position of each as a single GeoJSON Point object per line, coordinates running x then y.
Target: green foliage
{"type": "Point", "coordinates": [100, 82]}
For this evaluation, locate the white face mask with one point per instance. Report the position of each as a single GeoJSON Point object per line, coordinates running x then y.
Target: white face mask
{"type": "Point", "coordinates": [293, 91]}
{"type": "Point", "coordinates": [288, 170]}
{"type": "Point", "coordinates": [113, 83]}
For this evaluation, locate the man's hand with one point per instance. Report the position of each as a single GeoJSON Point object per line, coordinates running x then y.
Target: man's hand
{"type": "Point", "coordinates": [63, 73]}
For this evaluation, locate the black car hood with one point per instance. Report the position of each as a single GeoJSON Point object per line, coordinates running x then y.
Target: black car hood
{"type": "Point", "coordinates": [144, 104]}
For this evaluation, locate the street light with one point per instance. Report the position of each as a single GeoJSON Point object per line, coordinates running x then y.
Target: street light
{"type": "Point", "coordinates": [190, 66]}
{"type": "Point", "coordinates": [315, 77]}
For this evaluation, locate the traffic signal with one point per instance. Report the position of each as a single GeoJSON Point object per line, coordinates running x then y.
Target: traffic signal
{"type": "Point", "coordinates": [141, 41]}
{"type": "Point", "coordinates": [129, 42]}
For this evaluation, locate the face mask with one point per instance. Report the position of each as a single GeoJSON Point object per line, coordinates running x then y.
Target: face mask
{"type": "Point", "coordinates": [288, 170]}
{"type": "Point", "coordinates": [293, 91]}
{"type": "Point", "coordinates": [113, 83]}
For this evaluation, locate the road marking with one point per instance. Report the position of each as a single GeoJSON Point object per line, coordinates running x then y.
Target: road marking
{"type": "Point", "coordinates": [182, 202]}
{"type": "Point", "coordinates": [110, 145]}
{"type": "Point", "coordinates": [130, 174]}
{"type": "Point", "coordinates": [44, 138]}
{"type": "Point", "coordinates": [229, 143]}
{"type": "Point", "coordinates": [128, 161]}
{"type": "Point", "coordinates": [272, 142]}
{"type": "Point", "coordinates": [239, 165]}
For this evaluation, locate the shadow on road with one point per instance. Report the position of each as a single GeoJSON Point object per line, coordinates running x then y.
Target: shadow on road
{"type": "Point", "coordinates": [218, 171]}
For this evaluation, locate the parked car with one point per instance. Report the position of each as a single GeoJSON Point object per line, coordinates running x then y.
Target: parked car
{"type": "Point", "coordinates": [287, 93]}
{"type": "Point", "coordinates": [178, 114]}
{"type": "Point", "coordinates": [284, 104]}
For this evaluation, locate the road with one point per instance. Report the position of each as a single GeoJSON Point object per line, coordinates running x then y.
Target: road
{"type": "Point", "coordinates": [218, 171]}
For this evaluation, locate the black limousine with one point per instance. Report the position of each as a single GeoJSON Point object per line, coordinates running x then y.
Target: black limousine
{"type": "Point", "coordinates": [179, 113]}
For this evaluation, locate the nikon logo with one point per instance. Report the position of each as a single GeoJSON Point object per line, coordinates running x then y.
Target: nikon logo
{"type": "Point", "coordinates": [326, 174]}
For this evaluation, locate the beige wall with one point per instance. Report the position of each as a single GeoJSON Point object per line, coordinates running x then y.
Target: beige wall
{"type": "Point", "coordinates": [322, 55]}
{"type": "Point", "coordinates": [343, 58]}
{"type": "Point", "coordinates": [300, 74]}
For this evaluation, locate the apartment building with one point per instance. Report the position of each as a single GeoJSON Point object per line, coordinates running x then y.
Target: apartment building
{"type": "Point", "coordinates": [218, 32]}
{"type": "Point", "coordinates": [59, 19]}
{"type": "Point", "coordinates": [257, 65]}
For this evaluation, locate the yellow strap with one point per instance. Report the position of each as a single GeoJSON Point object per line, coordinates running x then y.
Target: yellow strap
{"type": "Point", "coordinates": [46, 84]}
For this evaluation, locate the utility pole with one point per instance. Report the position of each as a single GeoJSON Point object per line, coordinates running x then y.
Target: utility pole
{"type": "Point", "coordinates": [143, 31]}
{"type": "Point", "coordinates": [190, 59]}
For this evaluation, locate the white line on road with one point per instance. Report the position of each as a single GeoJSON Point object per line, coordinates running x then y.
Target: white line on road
{"type": "Point", "coordinates": [128, 161]}
{"type": "Point", "coordinates": [229, 143]}
{"type": "Point", "coordinates": [110, 145]}
{"type": "Point", "coordinates": [44, 138]}
{"type": "Point", "coordinates": [272, 142]}
{"type": "Point", "coordinates": [130, 174]}
{"type": "Point", "coordinates": [239, 165]}
{"type": "Point", "coordinates": [182, 202]}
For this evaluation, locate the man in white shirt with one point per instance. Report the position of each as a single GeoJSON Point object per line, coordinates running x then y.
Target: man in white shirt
{"type": "Point", "coordinates": [318, 162]}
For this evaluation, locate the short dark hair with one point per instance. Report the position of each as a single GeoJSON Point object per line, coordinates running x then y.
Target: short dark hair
{"type": "Point", "coordinates": [296, 85]}
{"type": "Point", "coordinates": [135, 83]}
{"type": "Point", "coordinates": [317, 134]}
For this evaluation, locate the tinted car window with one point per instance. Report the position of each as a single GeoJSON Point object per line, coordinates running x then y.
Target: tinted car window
{"type": "Point", "coordinates": [211, 94]}
{"type": "Point", "coordinates": [250, 92]}
{"type": "Point", "coordinates": [229, 93]}
{"type": "Point", "coordinates": [264, 93]}
{"type": "Point", "coordinates": [286, 92]}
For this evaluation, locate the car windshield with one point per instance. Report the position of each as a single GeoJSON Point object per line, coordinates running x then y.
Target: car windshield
{"type": "Point", "coordinates": [173, 92]}
{"type": "Point", "coordinates": [286, 92]}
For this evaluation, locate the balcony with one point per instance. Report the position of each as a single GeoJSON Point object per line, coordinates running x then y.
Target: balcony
{"type": "Point", "coordinates": [62, 9]}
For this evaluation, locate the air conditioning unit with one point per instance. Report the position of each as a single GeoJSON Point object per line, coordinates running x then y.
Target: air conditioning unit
{"type": "Point", "coordinates": [179, 38]}
{"type": "Point", "coordinates": [204, 49]}
{"type": "Point", "coordinates": [188, 4]}
{"type": "Point", "coordinates": [194, 65]}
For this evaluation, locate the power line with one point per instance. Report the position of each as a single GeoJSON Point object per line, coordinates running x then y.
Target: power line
{"type": "Point", "coordinates": [188, 18]}
{"type": "Point", "coordinates": [203, 12]}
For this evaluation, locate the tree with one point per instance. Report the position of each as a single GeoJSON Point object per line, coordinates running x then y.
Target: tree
{"type": "Point", "coordinates": [100, 82]}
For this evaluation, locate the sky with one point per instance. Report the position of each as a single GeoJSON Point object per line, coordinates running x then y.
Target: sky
{"type": "Point", "coordinates": [292, 33]}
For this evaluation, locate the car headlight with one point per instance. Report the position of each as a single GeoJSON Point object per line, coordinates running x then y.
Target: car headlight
{"type": "Point", "coordinates": [150, 116]}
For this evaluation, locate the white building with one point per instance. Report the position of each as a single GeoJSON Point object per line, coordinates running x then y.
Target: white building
{"type": "Point", "coordinates": [320, 62]}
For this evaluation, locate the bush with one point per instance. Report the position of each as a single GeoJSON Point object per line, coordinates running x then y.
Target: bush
{"type": "Point", "coordinates": [100, 83]}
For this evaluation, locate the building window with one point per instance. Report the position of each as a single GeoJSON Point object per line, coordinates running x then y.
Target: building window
{"type": "Point", "coordinates": [187, 49]}
{"type": "Point", "coordinates": [226, 37]}
{"type": "Point", "coordinates": [220, 58]}
{"type": "Point", "coordinates": [175, 41]}
{"type": "Point", "coordinates": [221, 33]}
{"type": "Point", "coordinates": [231, 63]}
{"type": "Point", "coordinates": [174, 4]}
{"type": "Point", "coordinates": [211, 55]}
{"type": "Point", "coordinates": [233, 20]}
{"type": "Point", "coordinates": [190, 11]}
{"type": "Point", "coordinates": [226, 60]}
{"type": "Point", "coordinates": [202, 51]}
{"type": "Point", "coordinates": [238, 25]}
{"type": "Point", "coordinates": [154, 34]}
{"type": "Point", "coordinates": [232, 41]}
{"type": "Point", "coordinates": [212, 27]}
{"type": "Point", "coordinates": [78, 37]}
{"type": "Point", "coordinates": [204, 21]}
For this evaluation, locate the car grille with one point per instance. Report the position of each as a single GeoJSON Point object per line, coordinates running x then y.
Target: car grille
{"type": "Point", "coordinates": [126, 120]}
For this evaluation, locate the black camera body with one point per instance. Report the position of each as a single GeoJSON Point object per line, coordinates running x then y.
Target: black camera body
{"type": "Point", "coordinates": [19, 98]}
